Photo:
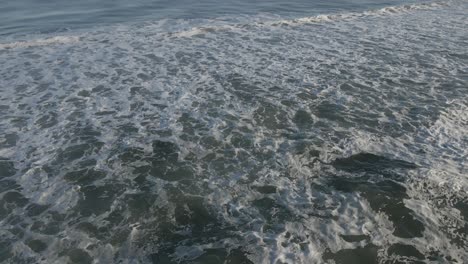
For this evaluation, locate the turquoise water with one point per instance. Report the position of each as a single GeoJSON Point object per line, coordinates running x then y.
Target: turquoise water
{"type": "Point", "coordinates": [266, 132]}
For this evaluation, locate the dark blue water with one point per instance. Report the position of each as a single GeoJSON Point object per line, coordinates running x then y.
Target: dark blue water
{"type": "Point", "coordinates": [26, 16]}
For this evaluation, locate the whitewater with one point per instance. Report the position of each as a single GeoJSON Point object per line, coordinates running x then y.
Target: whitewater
{"type": "Point", "coordinates": [330, 138]}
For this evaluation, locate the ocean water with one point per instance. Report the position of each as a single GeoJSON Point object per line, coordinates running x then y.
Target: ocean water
{"type": "Point", "coordinates": [27, 16]}
{"type": "Point", "coordinates": [234, 132]}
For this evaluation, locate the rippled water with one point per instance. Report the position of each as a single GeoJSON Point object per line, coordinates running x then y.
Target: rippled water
{"type": "Point", "coordinates": [340, 137]}
{"type": "Point", "coordinates": [26, 16]}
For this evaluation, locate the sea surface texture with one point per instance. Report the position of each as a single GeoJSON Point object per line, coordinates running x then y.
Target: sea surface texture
{"type": "Point", "coordinates": [234, 132]}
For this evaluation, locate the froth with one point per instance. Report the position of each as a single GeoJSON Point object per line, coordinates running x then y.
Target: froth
{"type": "Point", "coordinates": [254, 143]}
{"type": "Point", "coordinates": [40, 42]}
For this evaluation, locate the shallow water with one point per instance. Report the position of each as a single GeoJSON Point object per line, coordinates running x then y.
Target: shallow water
{"type": "Point", "coordinates": [261, 138]}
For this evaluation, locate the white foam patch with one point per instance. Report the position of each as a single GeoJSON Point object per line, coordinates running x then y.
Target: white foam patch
{"type": "Point", "coordinates": [57, 40]}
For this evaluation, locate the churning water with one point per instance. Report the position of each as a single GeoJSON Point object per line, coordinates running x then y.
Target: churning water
{"type": "Point", "coordinates": [262, 137]}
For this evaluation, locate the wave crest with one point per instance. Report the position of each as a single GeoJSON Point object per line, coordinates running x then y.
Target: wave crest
{"type": "Point", "coordinates": [40, 42]}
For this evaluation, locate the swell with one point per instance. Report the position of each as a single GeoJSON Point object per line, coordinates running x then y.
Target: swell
{"type": "Point", "coordinates": [200, 30]}
{"type": "Point", "coordinates": [386, 11]}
